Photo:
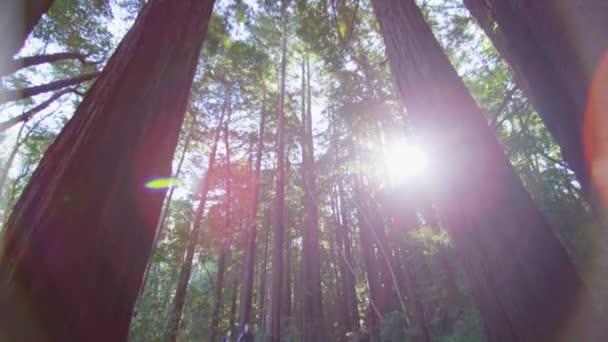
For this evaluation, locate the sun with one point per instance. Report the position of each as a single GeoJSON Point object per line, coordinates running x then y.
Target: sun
{"type": "Point", "coordinates": [405, 163]}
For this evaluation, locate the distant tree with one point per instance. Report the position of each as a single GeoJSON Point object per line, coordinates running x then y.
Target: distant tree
{"type": "Point", "coordinates": [278, 236]}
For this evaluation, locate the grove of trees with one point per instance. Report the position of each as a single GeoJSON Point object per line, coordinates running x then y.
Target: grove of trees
{"type": "Point", "coordinates": [316, 170]}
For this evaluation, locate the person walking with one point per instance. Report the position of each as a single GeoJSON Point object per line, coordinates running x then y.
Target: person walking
{"type": "Point", "coordinates": [246, 335]}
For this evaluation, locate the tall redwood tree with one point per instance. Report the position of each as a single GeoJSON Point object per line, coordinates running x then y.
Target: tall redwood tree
{"type": "Point", "coordinates": [78, 240]}
{"type": "Point", "coordinates": [522, 279]}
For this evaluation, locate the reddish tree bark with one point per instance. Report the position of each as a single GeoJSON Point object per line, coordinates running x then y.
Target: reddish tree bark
{"type": "Point", "coordinates": [78, 240]}
{"type": "Point", "coordinates": [559, 99]}
{"type": "Point", "coordinates": [522, 278]}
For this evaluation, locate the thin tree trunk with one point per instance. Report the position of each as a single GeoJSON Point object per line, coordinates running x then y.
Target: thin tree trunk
{"type": "Point", "coordinates": [165, 210]}
{"type": "Point", "coordinates": [224, 243]}
{"type": "Point", "coordinates": [219, 284]}
{"type": "Point", "coordinates": [287, 281]}
{"type": "Point", "coordinates": [194, 236]}
{"type": "Point", "coordinates": [373, 277]}
{"type": "Point", "coordinates": [312, 295]}
{"type": "Point", "coordinates": [274, 318]}
{"type": "Point", "coordinates": [17, 20]}
{"type": "Point", "coordinates": [353, 309]}
{"type": "Point", "coordinates": [264, 270]}
{"type": "Point", "coordinates": [84, 226]}
{"type": "Point", "coordinates": [29, 61]}
{"type": "Point", "coordinates": [20, 94]}
{"type": "Point", "coordinates": [249, 264]}
{"type": "Point", "coordinates": [232, 316]}
{"type": "Point", "coordinates": [515, 264]}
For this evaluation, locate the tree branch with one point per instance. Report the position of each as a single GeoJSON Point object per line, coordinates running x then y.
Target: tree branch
{"type": "Point", "coordinates": [20, 94]}
{"type": "Point", "coordinates": [28, 115]}
{"type": "Point", "coordinates": [25, 62]}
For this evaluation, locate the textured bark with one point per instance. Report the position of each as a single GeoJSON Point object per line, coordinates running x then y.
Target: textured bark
{"type": "Point", "coordinates": [77, 242]}
{"type": "Point", "coordinates": [249, 264]}
{"type": "Point", "coordinates": [525, 284]}
{"type": "Point", "coordinates": [29, 61]}
{"type": "Point", "coordinates": [24, 117]}
{"type": "Point", "coordinates": [536, 73]}
{"type": "Point", "coordinates": [278, 236]}
{"type": "Point", "coordinates": [17, 20]}
{"type": "Point", "coordinates": [20, 94]}
{"type": "Point", "coordinates": [194, 236]}
{"type": "Point", "coordinates": [311, 294]}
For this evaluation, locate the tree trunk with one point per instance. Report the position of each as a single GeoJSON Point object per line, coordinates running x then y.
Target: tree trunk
{"type": "Point", "coordinates": [20, 94]}
{"type": "Point", "coordinates": [232, 316]}
{"type": "Point", "coordinates": [194, 236]}
{"type": "Point", "coordinates": [343, 238]}
{"type": "Point", "coordinates": [224, 243]}
{"type": "Point", "coordinates": [249, 264]}
{"type": "Point", "coordinates": [17, 20]}
{"type": "Point", "coordinates": [78, 240]}
{"type": "Point", "coordinates": [350, 280]}
{"type": "Point", "coordinates": [515, 264]}
{"type": "Point", "coordinates": [373, 277]}
{"type": "Point", "coordinates": [274, 318]}
{"type": "Point", "coordinates": [539, 79]}
{"type": "Point", "coordinates": [287, 281]}
{"type": "Point", "coordinates": [264, 270]}
{"type": "Point", "coordinates": [312, 296]}
{"type": "Point", "coordinates": [219, 284]}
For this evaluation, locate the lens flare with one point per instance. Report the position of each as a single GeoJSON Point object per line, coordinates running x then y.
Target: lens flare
{"type": "Point", "coordinates": [162, 183]}
{"type": "Point", "coordinates": [405, 163]}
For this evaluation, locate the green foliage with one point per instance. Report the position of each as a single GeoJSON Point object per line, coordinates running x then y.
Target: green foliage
{"type": "Point", "coordinates": [355, 113]}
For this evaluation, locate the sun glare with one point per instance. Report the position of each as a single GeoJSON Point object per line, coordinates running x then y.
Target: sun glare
{"type": "Point", "coordinates": [405, 163]}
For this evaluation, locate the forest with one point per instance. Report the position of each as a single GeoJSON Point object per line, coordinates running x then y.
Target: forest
{"type": "Point", "coordinates": [304, 170]}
